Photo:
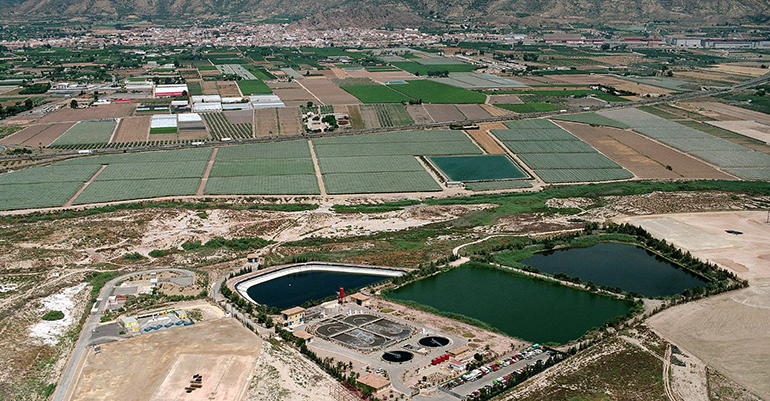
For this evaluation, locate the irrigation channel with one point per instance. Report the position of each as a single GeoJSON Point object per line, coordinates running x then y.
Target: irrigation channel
{"type": "Point", "coordinates": [294, 285]}
{"type": "Point", "coordinates": [629, 267]}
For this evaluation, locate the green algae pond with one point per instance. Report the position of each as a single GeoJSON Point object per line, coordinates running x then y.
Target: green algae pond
{"type": "Point", "coordinates": [520, 306]}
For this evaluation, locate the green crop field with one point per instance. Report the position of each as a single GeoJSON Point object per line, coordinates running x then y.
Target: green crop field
{"type": "Point", "coordinates": [50, 174]}
{"type": "Point", "coordinates": [435, 92]}
{"type": "Point", "coordinates": [263, 185]}
{"type": "Point", "coordinates": [182, 155]}
{"type": "Point", "coordinates": [153, 171]}
{"type": "Point", "coordinates": [527, 107]}
{"type": "Point", "coordinates": [380, 182]}
{"type": "Point", "coordinates": [742, 162]}
{"type": "Point", "coordinates": [219, 127]}
{"type": "Point", "coordinates": [259, 72]}
{"type": "Point", "coordinates": [110, 191]}
{"type": "Point", "coordinates": [390, 115]}
{"type": "Point", "coordinates": [397, 148]}
{"type": "Point", "coordinates": [28, 196]}
{"type": "Point", "coordinates": [274, 150]}
{"type": "Point", "coordinates": [375, 93]}
{"type": "Point", "coordinates": [253, 87]}
{"type": "Point", "coordinates": [556, 155]}
{"type": "Point", "coordinates": [369, 164]}
{"type": "Point", "coordinates": [425, 70]}
{"type": "Point", "coordinates": [194, 88]}
{"type": "Point", "coordinates": [592, 119]}
{"type": "Point", "coordinates": [275, 166]}
{"type": "Point", "coordinates": [86, 133]}
{"type": "Point", "coordinates": [163, 130]}
{"type": "Point", "coordinates": [434, 135]}
{"type": "Point", "coordinates": [477, 168]}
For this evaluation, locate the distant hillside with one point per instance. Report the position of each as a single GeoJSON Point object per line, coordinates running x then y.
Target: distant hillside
{"type": "Point", "coordinates": [401, 13]}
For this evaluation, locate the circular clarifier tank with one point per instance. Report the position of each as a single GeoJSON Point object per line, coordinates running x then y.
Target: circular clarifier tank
{"type": "Point", "coordinates": [434, 341]}
{"type": "Point", "coordinates": [397, 356]}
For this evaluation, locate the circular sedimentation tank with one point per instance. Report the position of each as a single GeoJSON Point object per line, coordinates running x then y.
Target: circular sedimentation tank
{"type": "Point", "coordinates": [397, 356]}
{"type": "Point", "coordinates": [434, 341]}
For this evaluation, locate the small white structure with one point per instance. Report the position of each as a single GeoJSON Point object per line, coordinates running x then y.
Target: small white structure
{"type": "Point", "coordinates": [266, 101]}
{"type": "Point", "coordinates": [163, 121]}
{"type": "Point", "coordinates": [170, 90]}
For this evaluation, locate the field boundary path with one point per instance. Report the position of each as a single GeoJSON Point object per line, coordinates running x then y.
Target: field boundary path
{"type": "Point", "coordinates": [308, 91]}
{"type": "Point", "coordinates": [64, 390]}
{"type": "Point", "coordinates": [85, 184]}
{"type": "Point", "coordinates": [205, 178]}
{"type": "Point", "coordinates": [317, 168]}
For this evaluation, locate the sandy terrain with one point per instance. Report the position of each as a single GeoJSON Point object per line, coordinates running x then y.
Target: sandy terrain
{"type": "Point", "coordinates": [505, 99]}
{"type": "Point", "coordinates": [228, 89]}
{"type": "Point", "coordinates": [739, 69]}
{"type": "Point", "coordinates": [638, 163]}
{"type": "Point", "coordinates": [209, 87]}
{"type": "Point", "coordinates": [239, 116]}
{"type": "Point", "coordinates": [267, 122]}
{"type": "Point", "coordinates": [751, 129]}
{"type": "Point", "coordinates": [291, 93]}
{"type": "Point", "coordinates": [487, 142]}
{"type": "Point", "coordinates": [282, 374]}
{"type": "Point", "coordinates": [26, 134]}
{"type": "Point", "coordinates": [369, 117]}
{"type": "Point", "coordinates": [711, 328]}
{"type": "Point", "coordinates": [418, 113]}
{"type": "Point", "coordinates": [158, 366]}
{"type": "Point", "coordinates": [328, 92]}
{"type": "Point", "coordinates": [732, 113]}
{"type": "Point", "coordinates": [710, 76]}
{"type": "Point", "coordinates": [133, 129]}
{"type": "Point", "coordinates": [495, 111]}
{"type": "Point", "coordinates": [193, 134]}
{"type": "Point", "coordinates": [47, 136]}
{"type": "Point", "coordinates": [67, 114]}
{"type": "Point", "coordinates": [683, 165]}
{"type": "Point", "coordinates": [472, 111]}
{"type": "Point", "coordinates": [288, 118]}
{"type": "Point", "coordinates": [444, 112]}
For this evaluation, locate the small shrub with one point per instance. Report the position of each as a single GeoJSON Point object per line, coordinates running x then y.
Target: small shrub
{"type": "Point", "coordinates": [53, 315]}
{"type": "Point", "coordinates": [157, 253]}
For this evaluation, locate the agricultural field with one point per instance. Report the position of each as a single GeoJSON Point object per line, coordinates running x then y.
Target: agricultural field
{"type": "Point", "coordinates": [263, 169]}
{"type": "Point", "coordinates": [371, 92]}
{"type": "Point", "coordinates": [732, 158]}
{"type": "Point", "coordinates": [424, 70]}
{"type": "Point", "coordinates": [111, 191]}
{"type": "Point", "coordinates": [267, 122]}
{"type": "Point", "coordinates": [37, 135]}
{"type": "Point", "coordinates": [527, 107]}
{"type": "Point", "coordinates": [328, 92]}
{"type": "Point", "coordinates": [478, 81]}
{"type": "Point", "coordinates": [220, 127]}
{"type": "Point", "coordinates": [86, 133]}
{"type": "Point", "coordinates": [42, 186]}
{"type": "Point", "coordinates": [253, 87]}
{"type": "Point", "coordinates": [641, 155]}
{"type": "Point", "coordinates": [154, 171]}
{"type": "Point", "coordinates": [556, 155]}
{"type": "Point", "coordinates": [195, 88]}
{"type": "Point", "coordinates": [132, 129]}
{"type": "Point", "coordinates": [435, 92]}
{"type": "Point", "coordinates": [444, 112]}
{"type": "Point", "coordinates": [389, 115]}
{"type": "Point", "coordinates": [591, 119]}
{"type": "Point", "coordinates": [381, 163]}
{"type": "Point", "coordinates": [477, 168]}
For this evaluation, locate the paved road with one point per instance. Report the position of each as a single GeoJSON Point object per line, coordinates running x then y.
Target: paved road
{"type": "Point", "coordinates": [77, 357]}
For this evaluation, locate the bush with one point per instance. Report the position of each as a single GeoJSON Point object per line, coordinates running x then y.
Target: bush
{"type": "Point", "coordinates": [157, 253]}
{"type": "Point", "coordinates": [53, 315]}
{"type": "Point", "coordinates": [133, 256]}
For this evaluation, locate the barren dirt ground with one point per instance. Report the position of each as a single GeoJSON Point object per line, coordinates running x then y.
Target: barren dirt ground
{"type": "Point", "coordinates": [154, 366]}
{"type": "Point", "coordinates": [728, 331]}
{"type": "Point", "coordinates": [282, 374]}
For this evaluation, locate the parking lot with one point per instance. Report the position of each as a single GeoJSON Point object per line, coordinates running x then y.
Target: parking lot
{"type": "Point", "coordinates": [161, 322]}
{"type": "Point", "coordinates": [468, 387]}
